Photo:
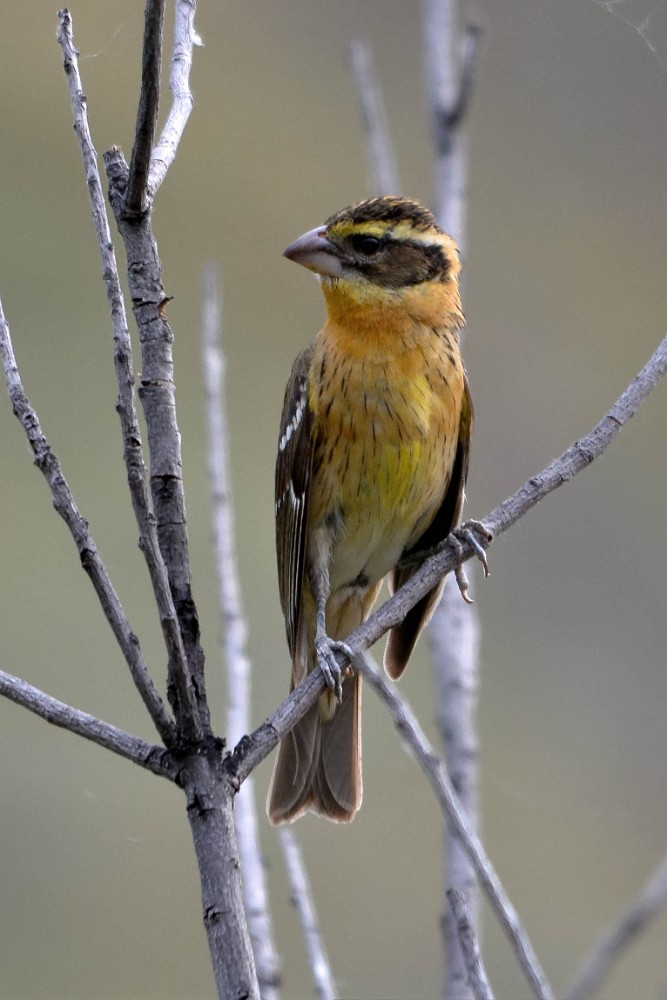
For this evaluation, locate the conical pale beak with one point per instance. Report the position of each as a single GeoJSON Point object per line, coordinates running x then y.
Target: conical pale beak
{"type": "Point", "coordinates": [315, 251]}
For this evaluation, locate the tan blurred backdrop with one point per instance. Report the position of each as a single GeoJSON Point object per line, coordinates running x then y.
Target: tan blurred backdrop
{"type": "Point", "coordinates": [566, 297]}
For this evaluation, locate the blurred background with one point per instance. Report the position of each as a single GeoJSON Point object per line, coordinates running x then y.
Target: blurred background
{"type": "Point", "coordinates": [566, 298]}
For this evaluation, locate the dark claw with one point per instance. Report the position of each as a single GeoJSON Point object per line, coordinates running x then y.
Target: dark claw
{"type": "Point", "coordinates": [462, 583]}
{"type": "Point", "coordinates": [471, 531]}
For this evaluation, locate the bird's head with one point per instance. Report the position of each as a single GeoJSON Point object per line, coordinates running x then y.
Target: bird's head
{"type": "Point", "coordinates": [384, 253]}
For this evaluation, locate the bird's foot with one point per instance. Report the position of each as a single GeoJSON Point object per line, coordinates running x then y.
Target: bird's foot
{"type": "Point", "coordinates": [478, 536]}
{"type": "Point", "coordinates": [326, 650]}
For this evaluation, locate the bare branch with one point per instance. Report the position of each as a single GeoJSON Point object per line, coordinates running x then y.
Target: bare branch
{"type": "Point", "coordinates": [136, 201]}
{"type": "Point", "coordinates": [157, 394]}
{"type": "Point", "coordinates": [613, 941]}
{"type": "Point", "coordinates": [147, 755]}
{"type": "Point", "coordinates": [185, 38]}
{"type": "Point", "coordinates": [235, 633]}
{"type": "Point", "coordinates": [303, 901]}
{"type": "Point", "coordinates": [63, 501]}
{"type": "Point", "coordinates": [408, 726]}
{"type": "Point", "coordinates": [210, 803]}
{"type": "Point", "coordinates": [451, 63]}
{"type": "Point", "coordinates": [454, 629]}
{"type": "Point", "coordinates": [132, 443]}
{"type": "Point", "coordinates": [229, 607]}
{"type": "Point", "coordinates": [384, 169]}
{"type": "Point", "coordinates": [469, 947]}
{"type": "Point", "coordinates": [454, 640]}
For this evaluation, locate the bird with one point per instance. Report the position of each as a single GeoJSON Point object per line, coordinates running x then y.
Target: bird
{"type": "Point", "coordinates": [371, 467]}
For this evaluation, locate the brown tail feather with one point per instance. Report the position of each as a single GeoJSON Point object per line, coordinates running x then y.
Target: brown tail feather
{"type": "Point", "coordinates": [319, 764]}
{"type": "Point", "coordinates": [403, 637]}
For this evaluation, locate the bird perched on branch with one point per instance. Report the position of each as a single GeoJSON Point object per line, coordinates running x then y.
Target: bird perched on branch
{"type": "Point", "coordinates": [371, 468]}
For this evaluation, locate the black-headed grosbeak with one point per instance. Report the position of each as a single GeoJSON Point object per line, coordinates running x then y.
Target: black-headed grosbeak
{"type": "Point", "coordinates": [372, 462]}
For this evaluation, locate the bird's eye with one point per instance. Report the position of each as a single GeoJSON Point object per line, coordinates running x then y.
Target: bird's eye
{"type": "Point", "coordinates": [368, 245]}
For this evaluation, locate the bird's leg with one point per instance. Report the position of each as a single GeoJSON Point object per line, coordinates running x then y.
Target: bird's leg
{"type": "Point", "coordinates": [325, 647]}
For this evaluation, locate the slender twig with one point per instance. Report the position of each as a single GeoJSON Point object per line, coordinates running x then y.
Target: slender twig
{"type": "Point", "coordinates": [408, 725]}
{"type": "Point", "coordinates": [615, 939]}
{"type": "Point", "coordinates": [63, 501]}
{"type": "Point", "coordinates": [303, 901]}
{"type": "Point", "coordinates": [229, 596]}
{"type": "Point", "coordinates": [185, 38]}
{"type": "Point", "coordinates": [136, 200]}
{"type": "Point", "coordinates": [187, 688]}
{"type": "Point", "coordinates": [235, 636]}
{"type": "Point", "coordinates": [132, 443]}
{"type": "Point", "coordinates": [384, 170]}
{"type": "Point", "coordinates": [454, 641]}
{"type": "Point", "coordinates": [147, 755]}
{"type": "Point", "coordinates": [451, 63]}
{"type": "Point", "coordinates": [477, 977]}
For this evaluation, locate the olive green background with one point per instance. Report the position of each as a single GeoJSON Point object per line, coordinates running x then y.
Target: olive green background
{"type": "Point", "coordinates": [566, 298]}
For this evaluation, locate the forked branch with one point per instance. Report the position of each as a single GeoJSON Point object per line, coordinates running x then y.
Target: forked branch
{"type": "Point", "coordinates": [147, 755]}
{"type": "Point", "coordinates": [185, 38]}
{"type": "Point", "coordinates": [132, 443]}
{"type": "Point", "coordinates": [136, 202]}
{"type": "Point", "coordinates": [63, 501]}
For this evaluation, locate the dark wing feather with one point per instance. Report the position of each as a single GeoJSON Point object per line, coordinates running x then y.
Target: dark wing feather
{"type": "Point", "coordinates": [402, 638]}
{"type": "Point", "coordinates": [293, 475]}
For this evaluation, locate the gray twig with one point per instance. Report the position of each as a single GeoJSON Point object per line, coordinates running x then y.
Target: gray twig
{"type": "Point", "coordinates": [185, 38]}
{"type": "Point", "coordinates": [477, 977]}
{"type": "Point", "coordinates": [157, 394]}
{"type": "Point", "coordinates": [384, 171]}
{"type": "Point", "coordinates": [408, 726]}
{"type": "Point", "coordinates": [303, 901]}
{"type": "Point", "coordinates": [451, 63]}
{"type": "Point", "coordinates": [454, 641]}
{"type": "Point", "coordinates": [132, 443]}
{"type": "Point", "coordinates": [615, 939]}
{"type": "Point", "coordinates": [136, 200]}
{"type": "Point", "coordinates": [235, 634]}
{"type": "Point", "coordinates": [63, 501]}
{"type": "Point", "coordinates": [147, 755]}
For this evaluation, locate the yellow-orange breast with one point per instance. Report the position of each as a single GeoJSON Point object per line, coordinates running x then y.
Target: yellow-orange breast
{"type": "Point", "coordinates": [387, 413]}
